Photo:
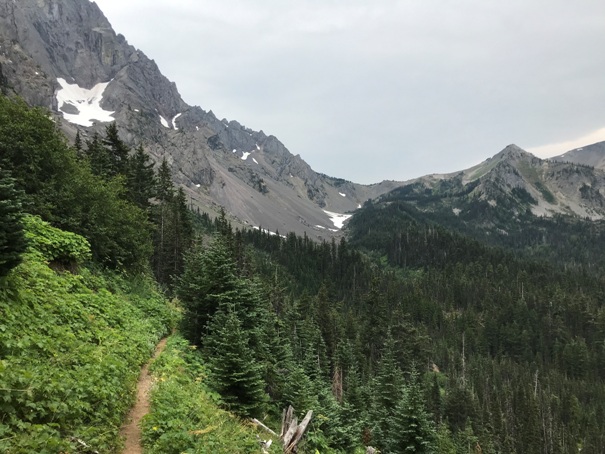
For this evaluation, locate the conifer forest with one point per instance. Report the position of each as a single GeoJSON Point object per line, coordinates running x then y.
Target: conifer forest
{"type": "Point", "coordinates": [410, 334]}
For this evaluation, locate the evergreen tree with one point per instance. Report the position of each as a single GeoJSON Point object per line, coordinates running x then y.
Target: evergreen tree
{"type": "Point", "coordinates": [12, 239]}
{"type": "Point", "coordinates": [78, 142]}
{"type": "Point", "coordinates": [99, 158]}
{"type": "Point", "coordinates": [234, 372]}
{"type": "Point", "coordinates": [141, 179]}
{"type": "Point", "coordinates": [208, 277]}
{"type": "Point", "coordinates": [387, 394]}
{"type": "Point", "coordinates": [413, 429]}
{"type": "Point", "coordinates": [165, 188]}
{"type": "Point", "coordinates": [117, 151]}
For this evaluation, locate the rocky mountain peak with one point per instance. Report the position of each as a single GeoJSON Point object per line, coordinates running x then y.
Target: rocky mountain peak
{"type": "Point", "coordinates": [64, 55]}
{"type": "Point", "coordinates": [512, 153]}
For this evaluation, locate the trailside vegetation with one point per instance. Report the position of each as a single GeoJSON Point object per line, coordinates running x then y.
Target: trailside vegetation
{"type": "Point", "coordinates": [71, 346]}
{"type": "Point", "coordinates": [408, 336]}
{"type": "Point", "coordinates": [185, 415]}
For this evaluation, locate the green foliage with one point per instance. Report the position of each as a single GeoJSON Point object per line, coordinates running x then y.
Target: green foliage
{"type": "Point", "coordinates": [12, 239]}
{"type": "Point", "coordinates": [234, 372]}
{"type": "Point", "coordinates": [141, 179]}
{"type": "Point", "coordinates": [54, 244]}
{"type": "Point", "coordinates": [184, 414]}
{"type": "Point", "coordinates": [62, 189]}
{"type": "Point", "coordinates": [70, 351]}
{"type": "Point", "coordinates": [173, 229]}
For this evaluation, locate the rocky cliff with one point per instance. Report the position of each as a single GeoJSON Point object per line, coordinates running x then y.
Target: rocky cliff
{"type": "Point", "coordinates": [64, 55]}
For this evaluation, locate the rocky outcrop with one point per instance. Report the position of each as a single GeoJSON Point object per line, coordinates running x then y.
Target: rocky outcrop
{"type": "Point", "coordinates": [217, 162]}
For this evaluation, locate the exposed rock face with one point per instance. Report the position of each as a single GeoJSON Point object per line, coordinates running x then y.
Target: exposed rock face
{"type": "Point", "coordinates": [518, 181]}
{"type": "Point", "coordinates": [589, 155]}
{"type": "Point", "coordinates": [219, 163]}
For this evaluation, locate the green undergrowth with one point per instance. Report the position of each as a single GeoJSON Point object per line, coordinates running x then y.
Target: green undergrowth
{"type": "Point", "coordinates": [185, 416]}
{"type": "Point", "coordinates": [71, 347]}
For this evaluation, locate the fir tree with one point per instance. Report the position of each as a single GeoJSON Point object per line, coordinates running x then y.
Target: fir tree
{"type": "Point", "coordinates": [117, 151]}
{"type": "Point", "coordinates": [413, 429]}
{"type": "Point", "coordinates": [98, 156]}
{"type": "Point", "coordinates": [141, 178]}
{"type": "Point", "coordinates": [234, 372]}
{"type": "Point", "coordinates": [12, 239]}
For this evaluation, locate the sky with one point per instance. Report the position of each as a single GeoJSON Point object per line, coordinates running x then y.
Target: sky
{"type": "Point", "coordinates": [385, 89]}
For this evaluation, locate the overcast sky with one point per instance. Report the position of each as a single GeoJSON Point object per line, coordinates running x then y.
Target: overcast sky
{"type": "Point", "coordinates": [385, 89]}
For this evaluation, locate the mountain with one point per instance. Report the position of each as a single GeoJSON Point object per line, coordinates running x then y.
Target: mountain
{"type": "Point", "coordinates": [517, 181]}
{"type": "Point", "coordinates": [589, 155]}
{"type": "Point", "coordinates": [513, 200]}
{"type": "Point", "coordinates": [64, 55]}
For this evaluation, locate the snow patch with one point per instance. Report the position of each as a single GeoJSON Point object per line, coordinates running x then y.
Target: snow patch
{"type": "Point", "coordinates": [86, 102]}
{"type": "Point", "coordinates": [337, 219]}
{"type": "Point", "coordinates": [456, 211]}
{"type": "Point", "coordinates": [267, 231]}
{"type": "Point", "coordinates": [359, 205]}
{"type": "Point", "coordinates": [197, 128]}
{"type": "Point", "coordinates": [197, 185]}
{"type": "Point", "coordinates": [492, 203]}
{"type": "Point", "coordinates": [136, 110]}
{"type": "Point", "coordinates": [255, 161]}
{"type": "Point", "coordinates": [320, 227]}
{"type": "Point", "coordinates": [257, 147]}
{"type": "Point", "coordinates": [234, 150]}
{"type": "Point", "coordinates": [245, 155]}
{"type": "Point", "coordinates": [164, 122]}
{"type": "Point", "coordinates": [343, 195]}
{"type": "Point", "coordinates": [174, 120]}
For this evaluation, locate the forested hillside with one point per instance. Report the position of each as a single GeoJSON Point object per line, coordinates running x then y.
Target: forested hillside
{"type": "Point", "coordinates": [407, 336]}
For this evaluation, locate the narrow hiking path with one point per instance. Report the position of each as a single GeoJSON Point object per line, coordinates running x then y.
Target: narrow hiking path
{"type": "Point", "coordinates": [131, 430]}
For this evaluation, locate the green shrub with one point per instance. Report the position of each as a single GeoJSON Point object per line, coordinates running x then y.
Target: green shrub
{"type": "Point", "coordinates": [71, 351]}
{"type": "Point", "coordinates": [185, 416]}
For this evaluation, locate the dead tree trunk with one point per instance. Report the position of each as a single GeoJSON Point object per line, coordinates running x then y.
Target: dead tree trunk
{"type": "Point", "coordinates": [291, 432]}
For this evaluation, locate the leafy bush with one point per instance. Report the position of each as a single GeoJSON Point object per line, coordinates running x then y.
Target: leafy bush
{"type": "Point", "coordinates": [71, 350]}
{"type": "Point", "coordinates": [55, 244]}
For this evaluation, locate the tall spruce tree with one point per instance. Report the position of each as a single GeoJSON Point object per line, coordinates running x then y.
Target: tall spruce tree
{"type": "Point", "coordinates": [117, 150]}
{"type": "Point", "coordinates": [234, 372]}
{"type": "Point", "coordinates": [413, 429]}
{"type": "Point", "coordinates": [12, 239]}
{"type": "Point", "coordinates": [141, 181]}
{"type": "Point", "coordinates": [98, 156]}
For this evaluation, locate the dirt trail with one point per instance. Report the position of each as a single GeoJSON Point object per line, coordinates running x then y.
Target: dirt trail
{"type": "Point", "coordinates": [131, 431]}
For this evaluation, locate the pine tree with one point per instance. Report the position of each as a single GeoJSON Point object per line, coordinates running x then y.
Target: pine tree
{"type": "Point", "coordinates": [209, 276]}
{"type": "Point", "coordinates": [163, 253]}
{"type": "Point", "coordinates": [234, 372]}
{"type": "Point", "coordinates": [117, 151]}
{"type": "Point", "coordinates": [141, 179]}
{"type": "Point", "coordinates": [413, 429]}
{"type": "Point", "coordinates": [12, 239]}
{"type": "Point", "coordinates": [78, 142]}
{"type": "Point", "coordinates": [387, 395]}
{"type": "Point", "coordinates": [98, 156]}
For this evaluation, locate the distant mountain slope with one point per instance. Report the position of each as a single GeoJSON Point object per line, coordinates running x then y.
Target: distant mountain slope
{"type": "Point", "coordinates": [518, 181]}
{"type": "Point", "coordinates": [590, 155]}
{"type": "Point", "coordinates": [63, 54]}
{"type": "Point", "coordinates": [545, 208]}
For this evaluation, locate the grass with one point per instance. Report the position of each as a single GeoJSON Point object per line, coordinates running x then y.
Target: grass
{"type": "Point", "coordinates": [71, 347]}
{"type": "Point", "coordinates": [185, 416]}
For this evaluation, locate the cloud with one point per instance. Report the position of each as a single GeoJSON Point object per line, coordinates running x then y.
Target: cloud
{"type": "Point", "coordinates": [384, 89]}
{"type": "Point", "coordinates": [556, 149]}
